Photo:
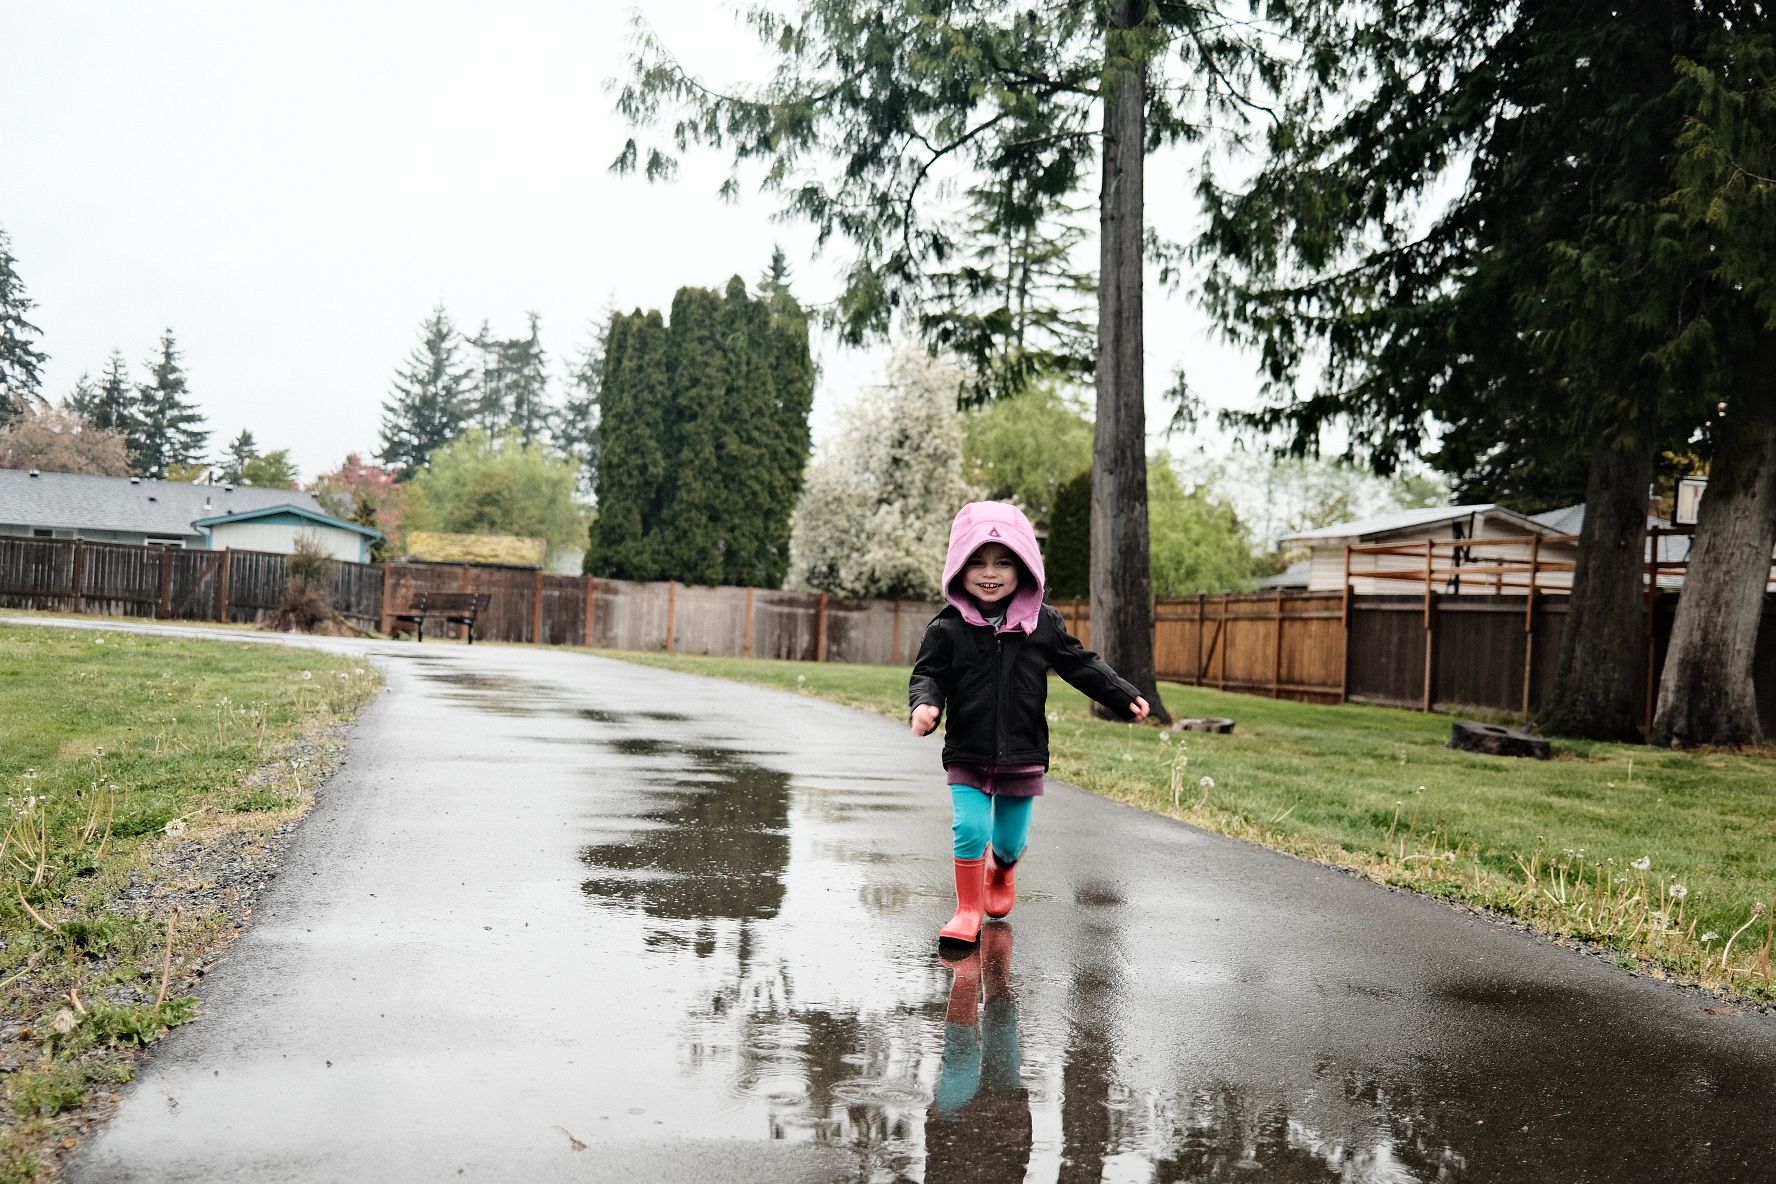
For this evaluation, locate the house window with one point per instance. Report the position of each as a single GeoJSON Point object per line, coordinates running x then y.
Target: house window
{"type": "Point", "coordinates": [38, 532]}
{"type": "Point", "coordinates": [151, 541]}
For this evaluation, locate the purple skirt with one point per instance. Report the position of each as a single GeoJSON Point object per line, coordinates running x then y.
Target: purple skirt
{"type": "Point", "coordinates": [1014, 781]}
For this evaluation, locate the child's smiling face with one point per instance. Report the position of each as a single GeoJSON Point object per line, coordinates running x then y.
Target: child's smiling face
{"type": "Point", "coordinates": [991, 575]}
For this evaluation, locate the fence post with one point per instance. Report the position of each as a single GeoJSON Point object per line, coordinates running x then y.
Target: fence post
{"type": "Point", "coordinates": [1430, 620]}
{"type": "Point", "coordinates": [1652, 631]}
{"type": "Point", "coordinates": [1276, 654]}
{"type": "Point", "coordinates": [671, 613]}
{"type": "Point", "coordinates": [1226, 637]}
{"type": "Point", "coordinates": [1344, 614]}
{"type": "Point", "coordinates": [465, 583]}
{"type": "Point", "coordinates": [386, 625]}
{"type": "Point", "coordinates": [225, 584]}
{"type": "Point", "coordinates": [536, 610]}
{"type": "Point", "coordinates": [1196, 677]}
{"type": "Point", "coordinates": [894, 660]}
{"type": "Point", "coordinates": [820, 630]}
{"type": "Point", "coordinates": [164, 607]}
{"type": "Point", "coordinates": [586, 621]}
{"type": "Point", "coordinates": [746, 645]}
{"type": "Point", "coordinates": [1529, 620]}
{"type": "Point", "coordinates": [78, 590]}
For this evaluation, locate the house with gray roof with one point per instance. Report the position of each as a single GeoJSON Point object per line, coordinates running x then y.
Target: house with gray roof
{"type": "Point", "coordinates": [143, 511]}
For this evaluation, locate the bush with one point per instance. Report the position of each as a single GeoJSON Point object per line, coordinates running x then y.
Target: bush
{"type": "Point", "coordinates": [307, 604]}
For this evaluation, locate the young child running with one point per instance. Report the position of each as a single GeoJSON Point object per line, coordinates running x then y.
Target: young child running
{"type": "Point", "coordinates": [985, 659]}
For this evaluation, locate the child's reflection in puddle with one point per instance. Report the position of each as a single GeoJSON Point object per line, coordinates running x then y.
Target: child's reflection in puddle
{"type": "Point", "coordinates": [978, 1127]}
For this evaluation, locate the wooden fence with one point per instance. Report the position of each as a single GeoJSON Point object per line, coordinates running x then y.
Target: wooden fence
{"type": "Point", "coordinates": [1425, 650]}
{"type": "Point", "coordinates": [119, 580]}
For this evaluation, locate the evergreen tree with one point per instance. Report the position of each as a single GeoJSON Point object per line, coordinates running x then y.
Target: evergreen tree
{"type": "Point", "coordinates": [575, 430]}
{"type": "Point", "coordinates": [694, 530]}
{"type": "Point", "coordinates": [637, 440]}
{"type": "Point", "coordinates": [169, 429]}
{"type": "Point", "coordinates": [525, 368]}
{"type": "Point", "coordinates": [789, 441]}
{"type": "Point", "coordinates": [489, 401]}
{"type": "Point", "coordinates": [1550, 319]}
{"type": "Point", "coordinates": [83, 399]}
{"type": "Point", "coordinates": [114, 400]}
{"type": "Point", "coordinates": [1068, 554]}
{"type": "Point", "coordinates": [241, 450]}
{"type": "Point", "coordinates": [429, 405]}
{"type": "Point", "coordinates": [21, 382]}
{"type": "Point", "coordinates": [703, 456]}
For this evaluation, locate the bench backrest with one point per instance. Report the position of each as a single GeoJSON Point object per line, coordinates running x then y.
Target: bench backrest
{"type": "Point", "coordinates": [450, 602]}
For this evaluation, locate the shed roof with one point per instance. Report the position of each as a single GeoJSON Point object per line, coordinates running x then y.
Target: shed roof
{"type": "Point", "coordinates": [303, 512]}
{"type": "Point", "coordinates": [80, 501]}
{"type": "Point", "coordinates": [1401, 520]}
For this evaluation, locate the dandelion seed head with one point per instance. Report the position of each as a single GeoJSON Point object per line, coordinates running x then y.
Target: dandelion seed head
{"type": "Point", "coordinates": [1642, 864]}
{"type": "Point", "coordinates": [307, 674]}
{"type": "Point", "coordinates": [175, 827]}
{"type": "Point", "coordinates": [1679, 891]}
{"type": "Point", "coordinates": [65, 1021]}
{"type": "Point", "coordinates": [1711, 935]}
{"type": "Point", "coordinates": [1206, 783]}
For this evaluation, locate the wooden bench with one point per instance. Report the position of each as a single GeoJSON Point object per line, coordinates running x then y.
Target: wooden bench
{"type": "Point", "coordinates": [454, 608]}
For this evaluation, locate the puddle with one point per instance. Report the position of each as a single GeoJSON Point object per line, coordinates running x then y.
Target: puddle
{"type": "Point", "coordinates": [790, 916]}
{"type": "Point", "coordinates": [715, 847]}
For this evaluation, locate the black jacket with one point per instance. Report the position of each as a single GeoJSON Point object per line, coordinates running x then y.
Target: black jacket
{"type": "Point", "coordinates": [995, 685]}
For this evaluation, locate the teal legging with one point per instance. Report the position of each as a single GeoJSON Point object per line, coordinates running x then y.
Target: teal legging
{"type": "Point", "coordinates": [980, 816]}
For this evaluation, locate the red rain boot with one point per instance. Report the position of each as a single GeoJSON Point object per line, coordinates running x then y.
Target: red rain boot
{"type": "Point", "coordinates": [964, 928]}
{"type": "Point", "coordinates": [995, 961]}
{"type": "Point", "coordinates": [1001, 886]}
{"type": "Point", "coordinates": [965, 989]}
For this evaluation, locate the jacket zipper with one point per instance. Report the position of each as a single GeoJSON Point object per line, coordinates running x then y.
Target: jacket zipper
{"type": "Point", "coordinates": [998, 698]}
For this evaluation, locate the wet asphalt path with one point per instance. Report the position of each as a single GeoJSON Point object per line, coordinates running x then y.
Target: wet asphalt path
{"type": "Point", "coordinates": [554, 901]}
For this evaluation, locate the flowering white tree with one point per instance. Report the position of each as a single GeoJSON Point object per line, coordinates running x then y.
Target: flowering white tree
{"type": "Point", "coordinates": [874, 515]}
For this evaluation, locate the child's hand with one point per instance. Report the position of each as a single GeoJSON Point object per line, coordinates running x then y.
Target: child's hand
{"type": "Point", "coordinates": [1139, 709]}
{"type": "Point", "coordinates": [924, 719]}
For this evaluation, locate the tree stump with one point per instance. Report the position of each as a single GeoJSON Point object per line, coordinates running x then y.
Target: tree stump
{"type": "Point", "coordinates": [1218, 724]}
{"type": "Point", "coordinates": [1472, 736]}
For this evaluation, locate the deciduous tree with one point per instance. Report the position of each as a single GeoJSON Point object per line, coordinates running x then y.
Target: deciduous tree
{"type": "Point", "coordinates": [479, 485]}
{"type": "Point", "coordinates": [57, 440]}
{"type": "Point", "coordinates": [1021, 448]}
{"type": "Point", "coordinates": [874, 517]}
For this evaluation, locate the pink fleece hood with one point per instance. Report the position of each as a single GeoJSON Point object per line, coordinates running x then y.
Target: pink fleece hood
{"type": "Point", "coordinates": [976, 525]}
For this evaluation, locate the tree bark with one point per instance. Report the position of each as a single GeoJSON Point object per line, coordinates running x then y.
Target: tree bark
{"type": "Point", "coordinates": [1602, 648]}
{"type": "Point", "coordinates": [1706, 695]}
{"type": "Point", "coordinates": [1121, 563]}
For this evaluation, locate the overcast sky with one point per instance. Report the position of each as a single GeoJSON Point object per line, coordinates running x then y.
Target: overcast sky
{"type": "Point", "coordinates": [291, 188]}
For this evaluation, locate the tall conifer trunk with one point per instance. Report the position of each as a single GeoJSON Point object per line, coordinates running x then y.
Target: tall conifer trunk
{"type": "Point", "coordinates": [1603, 644]}
{"type": "Point", "coordinates": [1121, 563]}
{"type": "Point", "coordinates": [1706, 695]}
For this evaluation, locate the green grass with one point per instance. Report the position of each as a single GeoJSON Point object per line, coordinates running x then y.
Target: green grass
{"type": "Point", "coordinates": [117, 751]}
{"type": "Point", "coordinates": [1379, 790]}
